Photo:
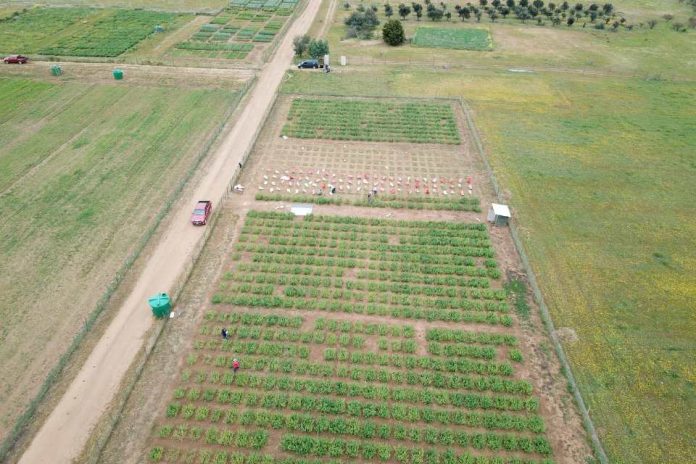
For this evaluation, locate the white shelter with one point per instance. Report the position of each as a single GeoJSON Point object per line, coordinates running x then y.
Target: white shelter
{"type": "Point", "coordinates": [499, 214]}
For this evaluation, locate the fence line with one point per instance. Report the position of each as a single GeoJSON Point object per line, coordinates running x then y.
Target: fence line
{"type": "Point", "coordinates": [538, 297]}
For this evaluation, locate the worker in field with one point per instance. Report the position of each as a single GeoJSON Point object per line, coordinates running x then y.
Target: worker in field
{"type": "Point", "coordinates": [224, 333]}
{"type": "Point", "coordinates": [235, 365]}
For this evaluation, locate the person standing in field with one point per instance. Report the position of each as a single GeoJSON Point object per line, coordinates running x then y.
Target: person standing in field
{"type": "Point", "coordinates": [224, 333]}
{"type": "Point", "coordinates": [235, 365]}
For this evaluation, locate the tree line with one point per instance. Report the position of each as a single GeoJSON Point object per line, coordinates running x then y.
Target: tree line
{"type": "Point", "coordinates": [599, 15]}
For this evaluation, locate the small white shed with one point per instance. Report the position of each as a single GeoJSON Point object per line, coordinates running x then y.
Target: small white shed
{"type": "Point", "coordinates": [301, 209]}
{"type": "Point", "coordinates": [499, 214]}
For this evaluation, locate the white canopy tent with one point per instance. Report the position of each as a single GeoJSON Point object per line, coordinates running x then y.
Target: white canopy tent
{"type": "Point", "coordinates": [499, 214]}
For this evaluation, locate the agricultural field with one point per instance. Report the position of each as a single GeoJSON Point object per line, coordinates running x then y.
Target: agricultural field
{"type": "Point", "coordinates": [432, 176]}
{"type": "Point", "coordinates": [643, 51]}
{"type": "Point", "coordinates": [378, 121]}
{"type": "Point", "coordinates": [599, 171]}
{"type": "Point", "coordinates": [266, 5]}
{"type": "Point", "coordinates": [459, 39]}
{"type": "Point", "coordinates": [345, 355]}
{"type": "Point", "coordinates": [81, 31]}
{"type": "Point", "coordinates": [84, 171]}
{"type": "Point", "coordinates": [233, 33]}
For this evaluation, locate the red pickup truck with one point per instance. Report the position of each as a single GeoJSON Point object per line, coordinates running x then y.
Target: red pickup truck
{"type": "Point", "coordinates": [201, 212]}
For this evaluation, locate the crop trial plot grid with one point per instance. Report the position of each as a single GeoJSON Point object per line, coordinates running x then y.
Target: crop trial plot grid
{"type": "Point", "coordinates": [358, 340]}
{"type": "Point", "coordinates": [301, 166]}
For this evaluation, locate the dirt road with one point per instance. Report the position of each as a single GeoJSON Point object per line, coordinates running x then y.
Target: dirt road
{"type": "Point", "coordinates": [63, 435]}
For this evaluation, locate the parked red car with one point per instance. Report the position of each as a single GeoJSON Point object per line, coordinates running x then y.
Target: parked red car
{"type": "Point", "coordinates": [201, 213]}
{"type": "Point", "coordinates": [15, 59]}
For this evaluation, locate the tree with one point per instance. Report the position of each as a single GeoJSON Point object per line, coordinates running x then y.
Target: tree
{"type": "Point", "coordinates": [346, 6]}
{"type": "Point", "coordinates": [300, 44]}
{"type": "Point", "coordinates": [418, 9]}
{"type": "Point", "coordinates": [608, 8]}
{"type": "Point", "coordinates": [388, 10]}
{"type": "Point", "coordinates": [493, 14]}
{"type": "Point", "coordinates": [464, 13]}
{"type": "Point", "coordinates": [570, 21]}
{"type": "Point", "coordinates": [404, 10]}
{"type": "Point", "coordinates": [393, 32]}
{"type": "Point", "coordinates": [435, 14]}
{"type": "Point", "coordinates": [361, 24]}
{"type": "Point", "coordinates": [652, 23]}
{"type": "Point", "coordinates": [318, 48]}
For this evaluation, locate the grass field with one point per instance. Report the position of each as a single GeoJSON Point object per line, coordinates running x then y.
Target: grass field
{"type": "Point", "coordinates": [341, 119]}
{"type": "Point", "coordinates": [600, 172]}
{"type": "Point", "coordinates": [81, 31]}
{"type": "Point", "coordinates": [641, 52]}
{"type": "Point", "coordinates": [458, 39]}
{"type": "Point", "coordinates": [331, 382]}
{"type": "Point", "coordinates": [84, 169]}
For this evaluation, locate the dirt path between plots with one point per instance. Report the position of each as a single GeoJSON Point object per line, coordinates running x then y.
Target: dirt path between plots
{"type": "Point", "coordinates": [135, 74]}
{"type": "Point", "coordinates": [68, 427]}
{"type": "Point", "coordinates": [328, 20]}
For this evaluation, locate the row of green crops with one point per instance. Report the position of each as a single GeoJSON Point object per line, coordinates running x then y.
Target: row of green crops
{"type": "Point", "coordinates": [459, 39]}
{"type": "Point", "coordinates": [266, 5]}
{"type": "Point", "coordinates": [356, 388]}
{"type": "Point", "coordinates": [372, 120]}
{"type": "Point", "coordinates": [385, 201]}
{"type": "Point", "coordinates": [81, 31]}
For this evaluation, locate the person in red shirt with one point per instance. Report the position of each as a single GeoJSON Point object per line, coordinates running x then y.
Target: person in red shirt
{"type": "Point", "coordinates": [235, 365]}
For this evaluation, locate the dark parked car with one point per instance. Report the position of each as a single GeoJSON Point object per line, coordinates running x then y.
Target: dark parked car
{"type": "Point", "coordinates": [16, 59]}
{"type": "Point", "coordinates": [309, 64]}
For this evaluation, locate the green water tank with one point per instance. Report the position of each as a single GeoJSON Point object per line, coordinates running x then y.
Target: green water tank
{"type": "Point", "coordinates": [161, 304]}
{"type": "Point", "coordinates": [118, 74]}
{"type": "Point", "coordinates": [56, 70]}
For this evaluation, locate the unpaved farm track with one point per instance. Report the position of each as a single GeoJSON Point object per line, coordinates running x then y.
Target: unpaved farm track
{"type": "Point", "coordinates": [68, 427]}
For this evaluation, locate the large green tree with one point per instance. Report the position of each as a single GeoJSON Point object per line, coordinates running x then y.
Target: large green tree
{"type": "Point", "coordinates": [393, 32]}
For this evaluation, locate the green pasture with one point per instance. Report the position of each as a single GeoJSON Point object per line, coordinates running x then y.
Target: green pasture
{"type": "Point", "coordinates": [458, 39]}
{"type": "Point", "coordinates": [81, 31]}
{"type": "Point", "coordinates": [84, 170]}
{"type": "Point", "coordinates": [600, 172]}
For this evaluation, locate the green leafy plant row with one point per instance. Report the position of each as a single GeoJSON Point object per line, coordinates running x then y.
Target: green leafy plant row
{"type": "Point", "coordinates": [371, 309]}
{"type": "Point", "coordinates": [403, 455]}
{"type": "Point", "coordinates": [378, 202]}
{"type": "Point", "coordinates": [306, 445]}
{"type": "Point", "coordinates": [455, 335]}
